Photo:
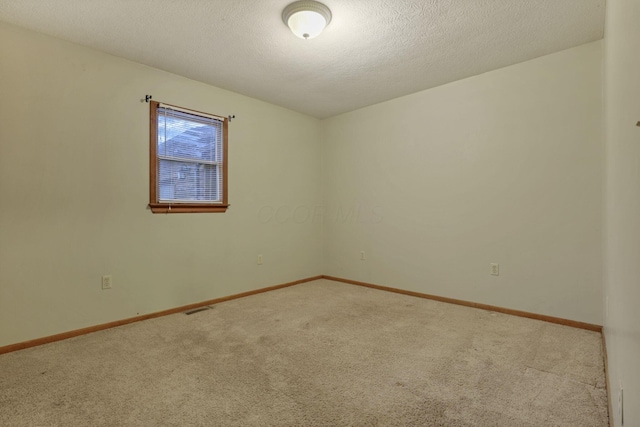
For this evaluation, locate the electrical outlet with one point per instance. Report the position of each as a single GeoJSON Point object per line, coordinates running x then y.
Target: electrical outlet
{"type": "Point", "coordinates": [259, 259]}
{"type": "Point", "coordinates": [495, 269]}
{"type": "Point", "coordinates": [106, 282]}
{"type": "Point", "coordinates": [362, 256]}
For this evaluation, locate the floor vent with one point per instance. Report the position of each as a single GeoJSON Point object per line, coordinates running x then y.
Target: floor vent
{"type": "Point", "coordinates": [197, 310]}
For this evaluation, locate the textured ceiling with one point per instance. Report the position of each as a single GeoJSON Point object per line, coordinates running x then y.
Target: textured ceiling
{"type": "Point", "coordinates": [372, 51]}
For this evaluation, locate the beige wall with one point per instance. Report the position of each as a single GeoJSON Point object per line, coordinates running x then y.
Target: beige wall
{"type": "Point", "coordinates": [74, 189]}
{"type": "Point", "coordinates": [622, 205]}
{"type": "Point", "coordinates": [505, 167]}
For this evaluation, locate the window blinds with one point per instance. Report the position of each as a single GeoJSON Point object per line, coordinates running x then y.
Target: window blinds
{"type": "Point", "coordinates": [189, 156]}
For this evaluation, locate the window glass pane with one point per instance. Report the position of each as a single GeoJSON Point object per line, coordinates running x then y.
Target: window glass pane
{"type": "Point", "coordinates": [190, 137]}
{"type": "Point", "coordinates": [188, 182]}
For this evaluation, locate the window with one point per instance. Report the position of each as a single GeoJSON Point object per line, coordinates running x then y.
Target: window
{"type": "Point", "coordinates": [188, 161]}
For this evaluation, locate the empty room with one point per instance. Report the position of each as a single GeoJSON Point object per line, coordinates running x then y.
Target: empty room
{"type": "Point", "coordinates": [334, 213]}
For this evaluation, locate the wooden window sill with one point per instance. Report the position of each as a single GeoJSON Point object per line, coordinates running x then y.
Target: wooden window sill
{"type": "Point", "coordinates": [186, 208]}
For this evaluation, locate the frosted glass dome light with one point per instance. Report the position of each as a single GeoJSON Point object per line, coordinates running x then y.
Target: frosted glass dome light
{"type": "Point", "coordinates": [306, 18]}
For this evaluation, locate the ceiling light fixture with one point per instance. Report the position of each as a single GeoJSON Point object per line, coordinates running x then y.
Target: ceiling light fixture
{"type": "Point", "coordinates": [306, 18]}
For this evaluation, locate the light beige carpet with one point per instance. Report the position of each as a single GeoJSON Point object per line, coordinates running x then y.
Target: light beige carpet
{"type": "Point", "coordinates": [317, 354]}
